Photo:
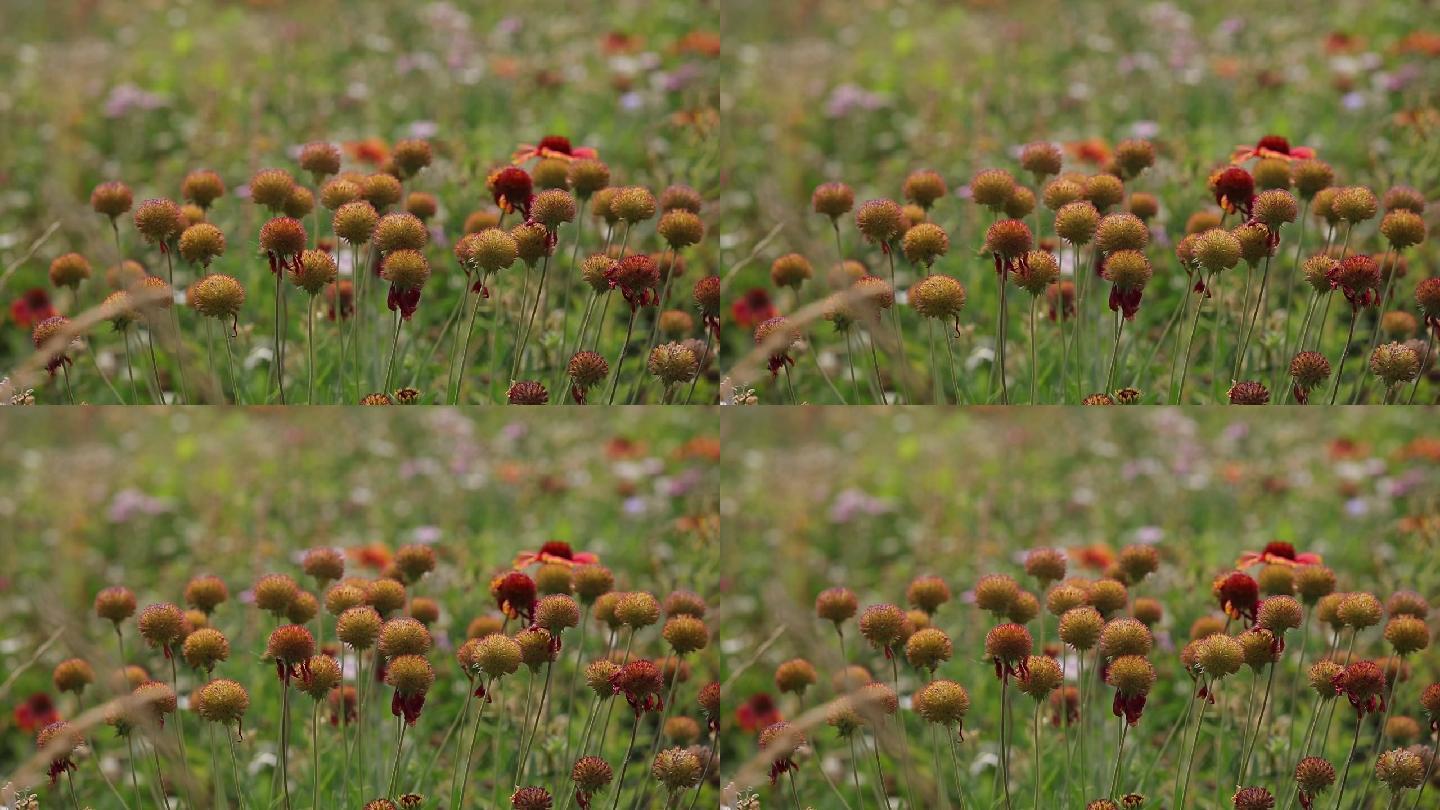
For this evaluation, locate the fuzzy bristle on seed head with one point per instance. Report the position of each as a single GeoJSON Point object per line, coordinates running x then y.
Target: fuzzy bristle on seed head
{"type": "Point", "coordinates": [1395, 363]}
{"type": "Point", "coordinates": [317, 269]}
{"type": "Point", "coordinates": [1253, 798]}
{"type": "Point", "coordinates": [1046, 565]}
{"type": "Point", "coordinates": [359, 626]}
{"type": "Point", "coordinates": [1407, 634]}
{"type": "Point", "coordinates": [1400, 769]}
{"type": "Point", "coordinates": [1045, 676]}
{"type": "Point", "coordinates": [938, 296]}
{"type": "Point", "coordinates": [591, 774]}
{"type": "Point", "coordinates": [928, 648]}
{"type": "Point", "coordinates": [836, 605]}
{"type": "Point", "coordinates": [1063, 598]}
{"type": "Point", "coordinates": [924, 187]}
{"type": "Point", "coordinates": [1009, 643]}
{"type": "Point", "coordinates": [1125, 637]}
{"type": "Point", "coordinates": [222, 701]}
{"type": "Point", "coordinates": [1061, 192]}
{"type": "Point", "coordinates": [1041, 158]}
{"type": "Point", "coordinates": [1277, 580]}
{"type": "Point", "coordinates": [1359, 610]}
{"type": "Point", "coordinates": [1081, 627]}
{"type": "Point", "coordinates": [992, 188]}
{"type": "Point", "coordinates": [880, 221]}
{"type": "Point", "coordinates": [1311, 176]}
{"type": "Point", "coordinates": [1314, 775]}
{"type": "Point", "coordinates": [1217, 250]}
{"type": "Point", "coordinates": [412, 155]}
{"type": "Point", "coordinates": [1219, 655]}
{"type": "Point", "coordinates": [1355, 204]}
{"type": "Point", "coordinates": [1076, 222]}
{"type": "Point", "coordinates": [112, 199]}
{"type": "Point", "coordinates": [410, 675]}
{"type": "Point", "coordinates": [290, 644]}
{"type": "Point", "coordinates": [833, 200]}
{"type": "Point", "coordinates": [994, 593]}
{"type": "Point", "coordinates": [321, 675]}
{"type": "Point", "coordinates": [404, 636]}
{"type": "Point", "coordinates": [205, 648]}
{"type": "Point", "coordinates": [882, 625]}
{"type": "Point", "coordinates": [355, 222]}
{"type": "Point", "coordinates": [115, 604]}
{"type": "Point", "coordinates": [1131, 675]}
{"type": "Point", "coordinates": [1010, 238]}
{"type": "Point", "coordinates": [1280, 613]}
{"type": "Point", "coordinates": [216, 296]}
{"type": "Point", "coordinates": [1259, 647]}
{"type": "Point", "coordinates": [72, 675]}
{"type": "Point", "coordinates": [162, 625]}
{"type": "Point", "coordinates": [942, 702]}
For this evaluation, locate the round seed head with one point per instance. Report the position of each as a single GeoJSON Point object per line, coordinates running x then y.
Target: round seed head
{"type": "Point", "coordinates": [290, 644]}
{"type": "Point", "coordinates": [406, 269]}
{"type": "Point", "coordinates": [1219, 655]}
{"type": "Point", "coordinates": [1076, 222]}
{"type": "Point", "coordinates": [942, 702]}
{"type": "Point", "coordinates": [1217, 250]}
{"type": "Point", "coordinates": [1104, 191]}
{"type": "Point", "coordinates": [938, 296]}
{"type": "Point", "coordinates": [162, 625]}
{"type": "Point", "coordinates": [325, 564]}
{"type": "Point", "coordinates": [1009, 642]}
{"type": "Point", "coordinates": [216, 296]}
{"type": "Point", "coordinates": [882, 625]}
{"type": "Point", "coordinates": [338, 192]}
{"type": "Point", "coordinates": [1309, 370]}
{"type": "Point", "coordinates": [928, 648]}
{"type": "Point", "coordinates": [633, 204]}
{"type": "Point", "coordinates": [355, 222]}
{"type": "Point", "coordinates": [1253, 798]}
{"type": "Point", "coordinates": [1280, 613]}
{"type": "Point", "coordinates": [115, 604]}
{"type": "Point", "coordinates": [1407, 634]}
{"type": "Point", "coordinates": [222, 701]}
{"type": "Point", "coordinates": [637, 609]}
{"type": "Point", "coordinates": [1355, 204]}
{"type": "Point", "coordinates": [795, 675]}
{"type": "Point", "coordinates": [381, 190]}
{"type": "Point", "coordinates": [1311, 176]}
{"type": "Point", "coordinates": [685, 634]}
{"type": "Point", "coordinates": [317, 269]}
{"type": "Point", "coordinates": [1131, 675]}
{"type": "Point", "coordinates": [880, 221]}
{"type": "Point", "coordinates": [1046, 565]}
{"type": "Point", "coordinates": [404, 636]}
{"type": "Point", "coordinates": [410, 675]}
{"type": "Point", "coordinates": [1045, 677]}
{"type": "Point", "coordinates": [72, 675]}
{"type": "Point", "coordinates": [924, 243]}
{"type": "Point", "coordinates": [1314, 775]}
{"type": "Point", "coordinates": [411, 155]}
{"type": "Point", "coordinates": [1400, 769]}
{"type": "Point", "coordinates": [924, 187]}
{"type": "Point", "coordinates": [113, 199]}
{"type": "Point", "coordinates": [158, 220]}
{"type": "Point", "coordinates": [359, 626]}
{"type": "Point", "coordinates": [1080, 627]}
{"type": "Point", "coordinates": [1125, 637]}
{"type": "Point", "coordinates": [557, 612]}
{"type": "Point", "coordinates": [1134, 155]}
{"type": "Point", "coordinates": [992, 188]}
{"type": "Point", "coordinates": [994, 593]}
{"type": "Point", "coordinates": [205, 648]}
{"type": "Point", "coordinates": [591, 774]}
{"type": "Point", "coordinates": [834, 200]}
{"type": "Point", "coordinates": [1065, 597]}
{"type": "Point", "coordinates": [283, 236]}
{"type": "Point", "coordinates": [1010, 238]}
{"type": "Point", "coordinates": [1041, 158]}
{"type": "Point", "coordinates": [1275, 208]}
{"type": "Point", "coordinates": [300, 203]}
{"type": "Point", "coordinates": [836, 605]}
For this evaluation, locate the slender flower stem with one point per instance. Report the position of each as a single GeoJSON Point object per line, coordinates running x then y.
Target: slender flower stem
{"type": "Point", "coordinates": [1344, 353]}
{"type": "Point", "coordinates": [620, 363]}
{"type": "Point", "coordinates": [1415, 386]}
{"type": "Point", "coordinates": [315, 751]}
{"type": "Point", "coordinates": [1034, 302]}
{"type": "Point", "coordinates": [160, 777]}
{"type": "Point", "coordinates": [459, 801]}
{"type": "Point", "coordinates": [394, 347]}
{"type": "Point", "coordinates": [1004, 739]}
{"type": "Point", "coordinates": [705, 355]}
{"type": "Point", "coordinates": [399, 745]}
{"type": "Point", "coordinates": [180, 734]}
{"type": "Point", "coordinates": [1119, 757]}
{"type": "Point", "coordinates": [285, 742]}
{"type": "Point", "coordinates": [1344, 775]}
{"type": "Point", "coordinates": [278, 360]}
{"type": "Point", "coordinates": [1254, 318]}
{"type": "Point", "coordinates": [527, 747]}
{"type": "Point", "coordinates": [1115, 353]}
{"type": "Point", "coordinates": [1036, 742]}
{"type": "Point", "coordinates": [899, 334]}
{"type": "Point", "coordinates": [1248, 753]}
{"type": "Point", "coordinates": [134, 780]}
{"type": "Point", "coordinates": [1190, 343]}
{"type": "Point", "coordinates": [519, 361]}
{"type": "Point", "coordinates": [625, 763]}
{"type": "Point", "coordinates": [1084, 764]}
{"type": "Point", "coordinates": [130, 366]}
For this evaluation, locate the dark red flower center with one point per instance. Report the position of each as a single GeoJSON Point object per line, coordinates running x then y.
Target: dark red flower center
{"type": "Point", "coordinates": [555, 143]}
{"type": "Point", "coordinates": [1274, 143]}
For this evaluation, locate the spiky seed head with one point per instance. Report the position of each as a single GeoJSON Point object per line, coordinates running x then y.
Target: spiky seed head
{"type": "Point", "coordinates": [1046, 565]}
{"type": "Point", "coordinates": [68, 270]}
{"type": "Point", "coordinates": [1400, 769]}
{"type": "Point", "coordinates": [321, 675]}
{"type": "Point", "coordinates": [880, 221]}
{"type": "Point", "coordinates": [1407, 603]}
{"type": "Point", "coordinates": [355, 222]}
{"type": "Point", "coordinates": [300, 203]}
{"type": "Point", "coordinates": [1253, 798]}
{"type": "Point", "coordinates": [324, 563]}
{"type": "Point", "coordinates": [162, 625]}
{"type": "Point", "coordinates": [422, 205]}
{"type": "Point", "coordinates": [1323, 206]}
{"type": "Point", "coordinates": [1219, 655]}
{"type": "Point", "coordinates": [216, 296]}
{"type": "Point", "coordinates": [598, 675]}
{"type": "Point", "coordinates": [404, 636]}
{"type": "Point", "coordinates": [1081, 627]}
{"type": "Point", "coordinates": [942, 702]}
{"type": "Point", "coordinates": [72, 675]}
{"type": "Point", "coordinates": [317, 269]}
{"type": "Point", "coordinates": [532, 242]}
{"type": "Point", "coordinates": [222, 701]}
{"type": "Point", "coordinates": [1314, 775]}
{"type": "Point", "coordinates": [205, 648]}
{"type": "Point", "coordinates": [1134, 155]}
{"type": "Point", "coordinates": [1109, 596]}
{"type": "Point", "coordinates": [381, 190]}
{"type": "Point", "coordinates": [412, 155]}
{"type": "Point", "coordinates": [591, 774]}
{"type": "Point", "coordinates": [633, 204]}
{"type": "Point", "coordinates": [158, 220]}
{"type": "Point", "coordinates": [1275, 207]}
{"type": "Point", "coordinates": [400, 231]}
{"type": "Point", "coordinates": [1131, 675]}
{"type": "Point", "coordinates": [406, 269]}
{"type": "Point", "coordinates": [924, 187]}
{"type": "Point", "coordinates": [1259, 647]}
{"type": "Point", "coordinates": [1041, 158]}
{"type": "Point", "coordinates": [1104, 191]}
{"type": "Point", "coordinates": [551, 173]}
{"type": "Point", "coordinates": [1327, 609]}
{"type": "Point", "coordinates": [1322, 676]}
{"type": "Point", "coordinates": [113, 199]}
{"type": "Point", "coordinates": [271, 188]}
{"type": "Point", "coordinates": [201, 244]}
{"type": "Point", "coordinates": [283, 236]}
{"type": "Point", "coordinates": [1317, 271]}
{"type": "Point", "coordinates": [1309, 370]}
{"type": "Point", "coordinates": [834, 200]}
{"type": "Point", "coordinates": [557, 612]}
{"type": "Point", "coordinates": [1010, 238]}
{"type": "Point", "coordinates": [1360, 610]}
{"type": "Point", "coordinates": [938, 296]}
{"type": "Point", "coordinates": [790, 270]}
{"type": "Point", "coordinates": [1076, 222]}
{"type": "Point", "coordinates": [882, 625]}
{"type": "Point", "coordinates": [1045, 677]}
{"type": "Point", "coordinates": [338, 192]}
{"type": "Point", "coordinates": [1202, 221]}
{"type": "Point", "coordinates": [994, 593]}
{"type": "Point", "coordinates": [928, 648]}
{"type": "Point", "coordinates": [1311, 176]}
{"type": "Point", "coordinates": [1254, 241]}
{"type": "Point", "coordinates": [1280, 613]}
{"type": "Point", "coordinates": [927, 592]}
{"type": "Point", "coordinates": [1217, 250]}
{"type": "Point", "coordinates": [637, 609]}
{"type": "Point", "coordinates": [1144, 205]}
{"type": "Point", "coordinates": [410, 675]}
{"type": "Point", "coordinates": [274, 592]}
{"type": "Point", "coordinates": [1125, 636]}
{"type": "Point", "coordinates": [795, 675]}
{"type": "Point", "coordinates": [1008, 642]}
{"type": "Point", "coordinates": [992, 188]}
{"type": "Point", "coordinates": [924, 243]}
{"type": "Point", "coordinates": [290, 643]}
{"type": "Point", "coordinates": [1063, 598]}
{"type": "Point", "coordinates": [1355, 204]}
{"type": "Point", "coordinates": [1024, 608]}
{"type": "Point", "coordinates": [359, 626]}
{"type": "Point", "coordinates": [1407, 634]}
{"type": "Point", "coordinates": [685, 634]}
{"type": "Point", "coordinates": [836, 605]}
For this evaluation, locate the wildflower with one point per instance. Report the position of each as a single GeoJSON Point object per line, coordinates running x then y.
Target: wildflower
{"type": "Point", "coordinates": [512, 189]}
{"type": "Point", "coordinates": [222, 701]}
{"type": "Point", "coordinates": [411, 676]}
{"type": "Point", "coordinates": [882, 625]}
{"type": "Point", "coordinates": [1234, 189]}
{"type": "Point", "coordinates": [834, 200]}
{"type": "Point", "coordinates": [112, 199]}
{"type": "Point", "coordinates": [1238, 595]}
{"type": "Point", "coordinates": [1363, 684]}
{"type": "Point", "coordinates": [1400, 769]}
{"type": "Point", "coordinates": [1272, 146]}
{"type": "Point", "coordinates": [64, 740]}
{"type": "Point", "coordinates": [1253, 798]}
{"type": "Point", "coordinates": [290, 647]}
{"type": "Point", "coordinates": [205, 647]}
{"type": "Point", "coordinates": [945, 703]}
{"type": "Point", "coordinates": [924, 187]}
{"type": "Point", "coordinates": [1132, 676]}
{"type": "Point", "coordinates": [641, 683]}
{"type": "Point", "coordinates": [1009, 647]}
{"type": "Point", "coordinates": [881, 222]}
{"type": "Point", "coordinates": [162, 625]}
{"type": "Point", "coordinates": [1313, 775]}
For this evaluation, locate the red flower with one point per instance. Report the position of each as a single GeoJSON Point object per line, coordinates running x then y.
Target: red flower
{"type": "Point", "coordinates": [1271, 146]}
{"type": "Point", "coordinates": [1234, 190]}
{"type": "Point", "coordinates": [752, 308]}
{"type": "Point", "coordinates": [757, 712]}
{"type": "Point", "coordinates": [553, 146]}
{"type": "Point", "coordinates": [514, 593]}
{"type": "Point", "coordinates": [1277, 553]}
{"type": "Point", "coordinates": [406, 299]}
{"type": "Point", "coordinates": [641, 682]}
{"type": "Point", "coordinates": [37, 712]}
{"type": "Point", "coordinates": [32, 307]}
{"type": "Point", "coordinates": [512, 189]}
{"type": "Point", "coordinates": [1238, 594]}
{"type": "Point", "coordinates": [557, 552]}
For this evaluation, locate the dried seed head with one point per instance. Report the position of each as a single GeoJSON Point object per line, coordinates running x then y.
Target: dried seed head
{"type": "Point", "coordinates": [1407, 634]}
{"type": "Point", "coordinates": [598, 675]}
{"type": "Point", "coordinates": [222, 701]}
{"type": "Point", "coordinates": [994, 593]}
{"type": "Point", "coordinates": [1217, 250]}
{"type": "Point", "coordinates": [1024, 608]}
{"type": "Point", "coordinates": [205, 648]}
{"type": "Point", "coordinates": [69, 270]}
{"type": "Point", "coordinates": [325, 564]}
{"type": "Point", "coordinates": [1219, 655]}
{"type": "Point", "coordinates": [1275, 208]}
{"type": "Point", "coordinates": [1080, 627]}
{"type": "Point", "coordinates": [381, 190]}
{"type": "Point", "coordinates": [497, 655]}
{"type": "Point", "coordinates": [795, 675]}
{"type": "Point", "coordinates": [216, 296]}
{"type": "Point", "coordinates": [359, 626]}
{"type": "Point", "coordinates": [1400, 769]}
{"type": "Point", "coordinates": [338, 192]}
{"type": "Point", "coordinates": [1202, 221]}
{"type": "Point", "coordinates": [924, 187]}
{"type": "Point", "coordinates": [942, 702]}
{"type": "Point", "coordinates": [992, 188]}
{"type": "Point", "coordinates": [410, 675]}
{"type": "Point", "coordinates": [1046, 565]}
{"type": "Point", "coordinates": [938, 296]}
{"type": "Point", "coordinates": [72, 675]}
{"type": "Point", "coordinates": [1403, 228]}
{"type": "Point", "coordinates": [685, 634]}
{"type": "Point", "coordinates": [113, 199]}
{"type": "Point", "coordinates": [1065, 597]}
{"type": "Point", "coordinates": [1076, 222]}
{"type": "Point", "coordinates": [271, 188]}
{"type": "Point", "coordinates": [283, 236]}
{"type": "Point", "coordinates": [201, 244]}
{"type": "Point", "coordinates": [1355, 204]}
{"type": "Point", "coordinates": [1253, 798]}
{"type": "Point", "coordinates": [1144, 205]}
{"type": "Point", "coordinates": [423, 609]}
{"type": "Point", "coordinates": [1008, 643]}
{"type": "Point", "coordinates": [115, 604]}
{"type": "Point", "coordinates": [1311, 176]}
{"type": "Point", "coordinates": [1360, 610]}
{"type": "Point", "coordinates": [591, 774]}
{"type": "Point", "coordinates": [836, 605]}
{"type": "Point", "coordinates": [355, 222]}
{"type": "Point", "coordinates": [1041, 158]}
{"type": "Point", "coordinates": [1322, 677]}
{"type": "Point", "coordinates": [924, 243]}
{"type": "Point", "coordinates": [159, 220]}
{"type": "Point", "coordinates": [1060, 193]}
{"type": "Point", "coordinates": [1407, 603]}
{"type": "Point", "coordinates": [1104, 191]}
{"type": "Point", "coordinates": [1109, 596]}
{"type": "Point", "coordinates": [162, 625]}
{"type": "Point", "coordinates": [1041, 271]}
{"type": "Point", "coordinates": [1134, 155]}
{"type": "Point", "coordinates": [1280, 613]}
{"type": "Point", "coordinates": [290, 644]}
{"type": "Point", "coordinates": [405, 269]}
{"type": "Point", "coordinates": [637, 609]}
{"type": "Point", "coordinates": [633, 204]}
{"type": "Point", "coordinates": [1125, 637]}
{"type": "Point", "coordinates": [880, 221]}
{"type": "Point", "coordinates": [1044, 677]}
{"type": "Point", "coordinates": [677, 769]}
{"type": "Point", "coordinates": [1259, 647]}
{"type": "Point", "coordinates": [1131, 675]}
{"type": "Point", "coordinates": [1309, 370]}
{"type": "Point", "coordinates": [1118, 232]}
{"type": "Point", "coordinates": [928, 648]}
{"type": "Point", "coordinates": [882, 625]}
{"type": "Point", "coordinates": [1314, 775]}
{"type": "Point", "coordinates": [1010, 238]}
{"type": "Point", "coordinates": [300, 203]}
{"type": "Point", "coordinates": [404, 636]}
{"type": "Point", "coordinates": [317, 269]}
{"type": "Point", "coordinates": [790, 270]}
{"type": "Point", "coordinates": [834, 200]}
{"type": "Point", "coordinates": [411, 155]}
{"type": "Point", "coordinates": [557, 612]}
{"type": "Point", "coordinates": [274, 593]}
{"type": "Point", "coordinates": [422, 205]}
